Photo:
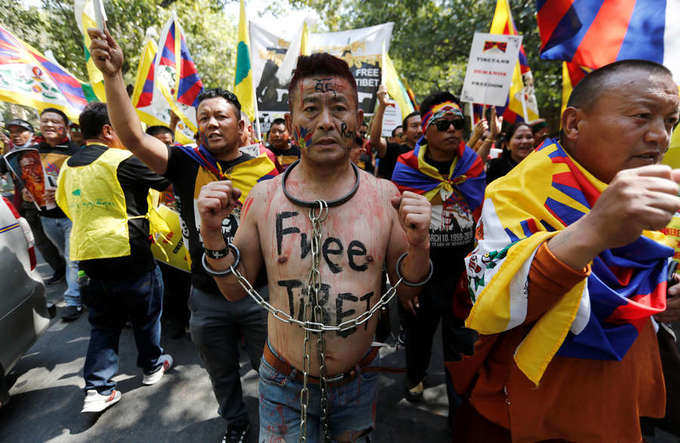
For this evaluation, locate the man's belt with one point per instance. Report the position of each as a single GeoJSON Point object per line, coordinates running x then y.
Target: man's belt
{"type": "Point", "coordinates": [286, 369]}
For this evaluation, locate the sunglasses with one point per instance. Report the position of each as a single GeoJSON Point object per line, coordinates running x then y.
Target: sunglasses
{"type": "Point", "coordinates": [443, 124]}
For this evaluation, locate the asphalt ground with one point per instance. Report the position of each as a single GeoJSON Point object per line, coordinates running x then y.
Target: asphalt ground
{"type": "Point", "coordinates": [47, 394]}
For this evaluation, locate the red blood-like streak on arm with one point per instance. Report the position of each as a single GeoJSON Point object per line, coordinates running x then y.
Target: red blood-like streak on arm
{"type": "Point", "coordinates": [246, 206]}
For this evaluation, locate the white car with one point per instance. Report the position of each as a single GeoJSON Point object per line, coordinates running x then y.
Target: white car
{"type": "Point", "coordinates": [24, 314]}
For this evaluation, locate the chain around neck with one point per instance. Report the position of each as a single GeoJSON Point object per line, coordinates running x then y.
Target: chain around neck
{"type": "Point", "coordinates": [330, 204]}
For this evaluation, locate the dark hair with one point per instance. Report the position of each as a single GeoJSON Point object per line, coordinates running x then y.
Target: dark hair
{"type": "Point", "coordinates": [404, 124]}
{"type": "Point", "coordinates": [159, 129]}
{"type": "Point", "coordinates": [279, 121]}
{"type": "Point", "coordinates": [512, 129]}
{"type": "Point", "coordinates": [321, 63]}
{"type": "Point", "coordinates": [434, 99]}
{"type": "Point", "coordinates": [587, 91]}
{"type": "Point", "coordinates": [56, 111]}
{"type": "Point", "coordinates": [219, 92]}
{"type": "Point", "coordinates": [92, 120]}
{"type": "Point", "coordinates": [394, 131]}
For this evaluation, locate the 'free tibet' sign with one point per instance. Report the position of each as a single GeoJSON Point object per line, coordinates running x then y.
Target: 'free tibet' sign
{"type": "Point", "coordinates": [489, 71]}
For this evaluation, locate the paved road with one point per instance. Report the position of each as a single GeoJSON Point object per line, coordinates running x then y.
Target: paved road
{"type": "Point", "coordinates": [46, 397]}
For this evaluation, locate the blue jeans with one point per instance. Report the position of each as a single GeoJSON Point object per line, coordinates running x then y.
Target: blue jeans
{"type": "Point", "coordinates": [217, 326]}
{"type": "Point", "coordinates": [111, 303]}
{"type": "Point", "coordinates": [351, 406]}
{"type": "Point", "coordinates": [58, 230]}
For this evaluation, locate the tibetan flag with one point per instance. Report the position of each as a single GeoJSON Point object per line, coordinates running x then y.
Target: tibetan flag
{"type": "Point", "coordinates": [152, 112]}
{"type": "Point", "coordinates": [176, 77]}
{"type": "Point", "coordinates": [28, 78]}
{"type": "Point", "coordinates": [594, 33]}
{"type": "Point", "coordinates": [466, 177]}
{"type": "Point", "coordinates": [84, 12]}
{"type": "Point", "coordinates": [571, 75]}
{"type": "Point", "coordinates": [599, 318]}
{"type": "Point", "coordinates": [243, 79]}
{"type": "Point", "coordinates": [395, 88]}
{"type": "Point", "coordinates": [522, 100]}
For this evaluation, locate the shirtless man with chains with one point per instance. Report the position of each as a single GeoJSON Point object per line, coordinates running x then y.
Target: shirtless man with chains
{"type": "Point", "coordinates": [324, 231]}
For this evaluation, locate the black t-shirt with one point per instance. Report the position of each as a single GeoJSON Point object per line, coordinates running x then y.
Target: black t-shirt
{"type": "Point", "coordinates": [498, 167]}
{"type": "Point", "coordinates": [135, 179]}
{"type": "Point", "coordinates": [389, 160]}
{"type": "Point", "coordinates": [52, 158]}
{"type": "Point", "coordinates": [285, 157]}
{"type": "Point", "coordinates": [184, 172]}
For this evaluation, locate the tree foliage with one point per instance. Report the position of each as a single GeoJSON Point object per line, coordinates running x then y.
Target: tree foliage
{"type": "Point", "coordinates": [431, 40]}
{"type": "Point", "coordinates": [210, 34]}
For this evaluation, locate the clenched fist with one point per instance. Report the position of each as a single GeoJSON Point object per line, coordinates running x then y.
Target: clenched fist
{"type": "Point", "coordinates": [215, 202]}
{"type": "Point", "coordinates": [415, 213]}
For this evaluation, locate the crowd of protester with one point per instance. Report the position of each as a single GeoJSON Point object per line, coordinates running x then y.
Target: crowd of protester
{"type": "Point", "coordinates": [532, 250]}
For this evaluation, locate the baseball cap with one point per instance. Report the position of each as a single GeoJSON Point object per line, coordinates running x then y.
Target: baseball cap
{"type": "Point", "coordinates": [20, 123]}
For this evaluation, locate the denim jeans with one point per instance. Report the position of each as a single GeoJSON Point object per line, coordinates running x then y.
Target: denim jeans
{"type": "Point", "coordinates": [351, 406]}
{"type": "Point", "coordinates": [217, 326]}
{"type": "Point", "coordinates": [111, 303]}
{"type": "Point", "coordinates": [58, 230]}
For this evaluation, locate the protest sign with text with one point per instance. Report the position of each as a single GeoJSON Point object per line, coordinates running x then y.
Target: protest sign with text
{"type": "Point", "coordinates": [489, 70]}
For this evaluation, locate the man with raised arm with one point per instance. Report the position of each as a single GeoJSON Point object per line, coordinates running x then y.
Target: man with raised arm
{"type": "Point", "coordinates": [216, 324]}
{"type": "Point", "coordinates": [323, 231]}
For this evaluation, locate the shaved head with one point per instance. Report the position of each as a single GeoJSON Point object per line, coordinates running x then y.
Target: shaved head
{"type": "Point", "coordinates": [588, 90]}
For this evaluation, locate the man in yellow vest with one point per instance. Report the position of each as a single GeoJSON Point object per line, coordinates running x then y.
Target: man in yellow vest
{"type": "Point", "coordinates": [103, 189]}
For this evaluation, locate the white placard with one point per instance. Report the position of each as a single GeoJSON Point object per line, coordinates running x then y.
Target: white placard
{"type": "Point", "coordinates": [489, 71]}
{"type": "Point", "coordinates": [391, 119]}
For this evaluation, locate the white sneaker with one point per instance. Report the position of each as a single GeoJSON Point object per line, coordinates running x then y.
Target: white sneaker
{"type": "Point", "coordinates": [96, 402]}
{"type": "Point", "coordinates": [155, 377]}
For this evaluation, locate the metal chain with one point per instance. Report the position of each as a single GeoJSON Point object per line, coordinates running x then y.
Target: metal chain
{"type": "Point", "coordinates": [313, 319]}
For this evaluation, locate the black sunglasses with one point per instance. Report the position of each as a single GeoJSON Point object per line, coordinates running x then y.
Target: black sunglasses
{"type": "Point", "coordinates": [443, 124]}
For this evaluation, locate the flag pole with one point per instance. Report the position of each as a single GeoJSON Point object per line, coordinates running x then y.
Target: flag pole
{"type": "Point", "coordinates": [471, 111]}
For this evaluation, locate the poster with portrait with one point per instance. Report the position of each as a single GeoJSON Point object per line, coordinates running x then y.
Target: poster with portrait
{"type": "Point", "coordinates": [360, 48]}
{"type": "Point", "coordinates": [27, 170]}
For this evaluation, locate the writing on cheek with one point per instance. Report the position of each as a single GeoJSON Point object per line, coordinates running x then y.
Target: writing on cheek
{"type": "Point", "coordinates": [346, 132]}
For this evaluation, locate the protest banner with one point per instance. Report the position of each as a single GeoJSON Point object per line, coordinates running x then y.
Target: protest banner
{"type": "Point", "coordinates": [360, 48]}
{"type": "Point", "coordinates": [490, 68]}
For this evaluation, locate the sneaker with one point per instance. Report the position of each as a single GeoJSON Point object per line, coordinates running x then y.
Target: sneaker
{"type": "Point", "coordinates": [237, 433]}
{"type": "Point", "coordinates": [71, 313]}
{"type": "Point", "coordinates": [96, 402]}
{"type": "Point", "coordinates": [155, 377]}
{"type": "Point", "coordinates": [415, 393]}
{"type": "Point", "coordinates": [57, 277]}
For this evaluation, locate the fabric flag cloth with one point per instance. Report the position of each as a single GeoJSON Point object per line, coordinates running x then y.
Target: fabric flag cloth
{"type": "Point", "coordinates": [244, 177]}
{"type": "Point", "coordinates": [599, 318]}
{"type": "Point", "coordinates": [150, 111]}
{"type": "Point", "coordinates": [176, 77]}
{"type": "Point", "coordinates": [571, 75]}
{"type": "Point", "coordinates": [243, 78]}
{"type": "Point", "coordinates": [594, 33]}
{"type": "Point", "coordinates": [522, 105]}
{"type": "Point", "coordinates": [85, 17]}
{"type": "Point", "coordinates": [28, 78]}
{"type": "Point", "coordinates": [395, 88]}
{"type": "Point", "coordinates": [298, 47]}
{"type": "Point", "coordinates": [466, 176]}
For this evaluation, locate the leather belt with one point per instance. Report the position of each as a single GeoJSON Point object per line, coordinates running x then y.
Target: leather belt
{"type": "Point", "coordinates": [286, 369]}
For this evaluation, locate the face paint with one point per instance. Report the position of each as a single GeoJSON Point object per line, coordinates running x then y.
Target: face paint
{"type": "Point", "coordinates": [303, 136]}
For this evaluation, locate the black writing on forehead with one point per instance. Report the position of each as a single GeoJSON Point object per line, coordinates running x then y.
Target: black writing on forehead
{"type": "Point", "coordinates": [325, 85]}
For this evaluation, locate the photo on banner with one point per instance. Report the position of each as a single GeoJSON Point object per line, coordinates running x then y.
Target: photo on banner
{"type": "Point", "coordinates": [27, 171]}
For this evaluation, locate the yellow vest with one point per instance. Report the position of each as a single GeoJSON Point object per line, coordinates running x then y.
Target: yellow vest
{"type": "Point", "coordinates": [93, 199]}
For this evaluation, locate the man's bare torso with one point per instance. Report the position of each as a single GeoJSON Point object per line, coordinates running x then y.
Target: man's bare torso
{"type": "Point", "coordinates": [354, 244]}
